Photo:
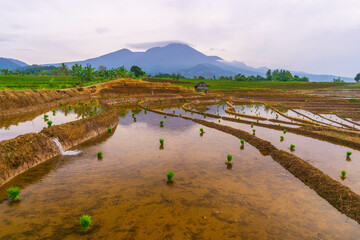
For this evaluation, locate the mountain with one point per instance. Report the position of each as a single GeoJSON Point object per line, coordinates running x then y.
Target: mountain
{"type": "Point", "coordinates": [11, 64]}
{"type": "Point", "coordinates": [173, 58]}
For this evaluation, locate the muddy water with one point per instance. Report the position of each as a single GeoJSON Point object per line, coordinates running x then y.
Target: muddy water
{"type": "Point", "coordinates": [329, 158]}
{"type": "Point", "coordinates": [60, 116]}
{"type": "Point", "coordinates": [316, 117]}
{"type": "Point", "coordinates": [127, 196]}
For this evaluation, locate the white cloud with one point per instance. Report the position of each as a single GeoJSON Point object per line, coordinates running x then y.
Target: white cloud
{"type": "Point", "coordinates": [319, 36]}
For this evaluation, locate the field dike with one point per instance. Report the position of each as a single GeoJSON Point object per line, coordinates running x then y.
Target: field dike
{"type": "Point", "coordinates": [338, 195]}
{"type": "Point", "coordinates": [28, 150]}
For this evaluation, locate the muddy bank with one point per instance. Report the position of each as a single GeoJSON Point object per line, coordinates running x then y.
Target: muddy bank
{"type": "Point", "coordinates": [26, 151]}
{"type": "Point", "coordinates": [338, 195]}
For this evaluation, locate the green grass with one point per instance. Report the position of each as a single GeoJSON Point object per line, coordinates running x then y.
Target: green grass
{"type": "Point", "coordinates": [85, 221]}
{"type": "Point", "coordinates": [13, 193]}
{"type": "Point", "coordinates": [170, 175]}
{"type": "Point", "coordinates": [21, 82]}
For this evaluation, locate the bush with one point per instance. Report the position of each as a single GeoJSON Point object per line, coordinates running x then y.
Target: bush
{"type": "Point", "coordinates": [13, 193]}
{"type": "Point", "coordinates": [99, 154]}
{"type": "Point", "coordinates": [85, 221]}
{"type": "Point", "coordinates": [161, 141]}
{"type": "Point", "coordinates": [170, 175]}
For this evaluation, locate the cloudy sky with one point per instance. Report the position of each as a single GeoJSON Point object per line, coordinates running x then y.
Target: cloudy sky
{"type": "Point", "coordinates": [317, 36]}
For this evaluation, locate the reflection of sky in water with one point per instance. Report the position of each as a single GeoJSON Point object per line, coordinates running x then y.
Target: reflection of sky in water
{"type": "Point", "coordinates": [61, 116]}
{"type": "Point", "coordinates": [340, 120]}
{"type": "Point", "coordinates": [317, 117]}
{"type": "Point", "coordinates": [259, 110]}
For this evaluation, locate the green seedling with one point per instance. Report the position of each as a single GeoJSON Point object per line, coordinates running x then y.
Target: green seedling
{"type": "Point", "coordinates": [219, 120]}
{"type": "Point", "coordinates": [161, 141]}
{"type": "Point", "coordinates": [165, 116]}
{"type": "Point", "coordinates": [292, 147]}
{"type": "Point", "coordinates": [170, 175]}
{"type": "Point", "coordinates": [49, 123]}
{"type": "Point", "coordinates": [229, 158]}
{"type": "Point", "coordinates": [284, 131]}
{"type": "Point", "coordinates": [161, 123]}
{"type": "Point", "coordinates": [46, 116]}
{"type": "Point", "coordinates": [60, 104]}
{"type": "Point", "coordinates": [91, 112]}
{"type": "Point", "coordinates": [204, 115]}
{"type": "Point", "coordinates": [85, 221]}
{"type": "Point", "coordinates": [348, 154]}
{"type": "Point", "coordinates": [254, 130]}
{"type": "Point", "coordinates": [99, 154]}
{"type": "Point", "coordinates": [252, 125]}
{"type": "Point", "coordinates": [13, 193]}
{"type": "Point", "coordinates": [343, 173]}
{"type": "Point", "coordinates": [282, 138]}
{"type": "Point", "coordinates": [201, 130]}
{"type": "Point", "coordinates": [79, 101]}
{"type": "Point", "coordinates": [242, 141]}
{"type": "Point", "coordinates": [134, 119]}
{"type": "Point", "coordinates": [69, 107]}
{"type": "Point", "coordinates": [109, 130]}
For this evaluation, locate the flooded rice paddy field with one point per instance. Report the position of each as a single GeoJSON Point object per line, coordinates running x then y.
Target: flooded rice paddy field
{"type": "Point", "coordinates": [127, 195]}
{"type": "Point", "coordinates": [259, 110]}
{"type": "Point", "coordinates": [328, 157]}
{"type": "Point", "coordinates": [313, 116]}
{"type": "Point", "coordinates": [58, 116]}
{"type": "Point", "coordinates": [340, 120]}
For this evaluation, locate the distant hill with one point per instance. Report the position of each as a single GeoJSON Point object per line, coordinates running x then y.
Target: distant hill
{"type": "Point", "coordinates": [11, 64]}
{"type": "Point", "coordinates": [173, 58]}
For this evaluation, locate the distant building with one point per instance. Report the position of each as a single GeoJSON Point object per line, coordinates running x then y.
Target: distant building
{"type": "Point", "coordinates": [201, 86]}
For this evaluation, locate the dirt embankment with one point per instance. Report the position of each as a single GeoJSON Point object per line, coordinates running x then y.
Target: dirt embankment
{"type": "Point", "coordinates": [19, 102]}
{"type": "Point", "coordinates": [28, 150]}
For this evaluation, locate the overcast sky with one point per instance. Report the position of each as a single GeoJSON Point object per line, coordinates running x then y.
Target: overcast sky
{"type": "Point", "coordinates": [317, 36]}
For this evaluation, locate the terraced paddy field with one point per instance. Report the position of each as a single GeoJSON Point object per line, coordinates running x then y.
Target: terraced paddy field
{"type": "Point", "coordinates": [114, 165]}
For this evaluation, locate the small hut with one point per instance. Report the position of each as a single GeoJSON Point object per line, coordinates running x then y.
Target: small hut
{"type": "Point", "coordinates": [201, 86]}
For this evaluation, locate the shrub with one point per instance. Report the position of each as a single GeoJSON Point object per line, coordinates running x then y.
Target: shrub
{"type": "Point", "coordinates": [242, 141]}
{"type": "Point", "coordinates": [284, 131]}
{"type": "Point", "coordinates": [229, 158]}
{"type": "Point", "coordinates": [161, 141]}
{"type": "Point", "coordinates": [170, 175]}
{"type": "Point", "coordinates": [281, 138]}
{"type": "Point", "coordinates": [85, 221]}
{"type": "Point", "coordinates": [201, 130]}
{"type": "Point", "coordinates": [13, 193]}
{"type": "Point", "coordinates": [292, 147]}
{"type": "Point", "coordinates": [348, 154]}
{"type": "Point", "coordinates": [109, 130]}
{"type": "Point", "coordinates": [99, 154]}
{"type": "Point", "coordinates": [343, 173]}
{"type": "Point", "coordinates": [161, 123]}
{"type": "Point", "coordinates": [49, 123]}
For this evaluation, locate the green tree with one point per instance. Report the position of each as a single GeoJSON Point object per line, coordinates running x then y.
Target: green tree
{"type": "Point", "coordinates": [137, 71]}
{"type": "Point", "coordinates": [357, 78]}
{"type": "Point", "coordinates": [268, 75]}
{"type": "Point", "coordinates": [64, 69]}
